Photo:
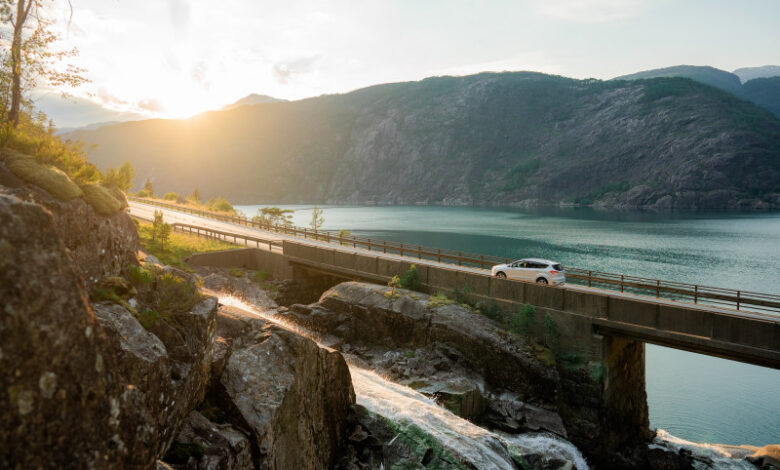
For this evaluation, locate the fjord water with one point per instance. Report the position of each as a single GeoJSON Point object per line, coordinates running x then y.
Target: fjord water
{"type": "Point", "coordinates": [691, 396]}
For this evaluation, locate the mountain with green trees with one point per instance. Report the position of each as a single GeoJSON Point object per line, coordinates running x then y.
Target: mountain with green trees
{"type": "Point", "coordinates": [507, 139]}
{"type": "Point", "coordinates": [704, 74]}
{"type": "Point", "coordinates": [764, 92]}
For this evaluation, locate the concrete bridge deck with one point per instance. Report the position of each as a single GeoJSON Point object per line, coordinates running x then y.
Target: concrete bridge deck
{"type": "Point", "coordinates": [580, 311]}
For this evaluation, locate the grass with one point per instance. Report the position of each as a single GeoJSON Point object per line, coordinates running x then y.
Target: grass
{"type": "Point", "coordinates": [219, 205]}
{"type": "Point", "coordinates": [101, 199]}
{"type": "Point", "coordinates": [179, 247]}
{"type": "Point", "coordinates": [53, 180]}
{"type": "Point", "coordinates": [236, 272]}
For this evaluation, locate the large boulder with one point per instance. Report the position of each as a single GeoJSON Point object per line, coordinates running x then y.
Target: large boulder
{"type": "Point", "coordinates": [170, 373]}
{"type": "Point", "coordinates": [204, 445]}
{"type": "Point", "coordinates": [290, 395]}
{"type": "Point", "coordinates": [61, 395]}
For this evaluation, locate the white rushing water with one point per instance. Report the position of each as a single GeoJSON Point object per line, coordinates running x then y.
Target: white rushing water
{"type": "Point", "coordinates": [463, 439]}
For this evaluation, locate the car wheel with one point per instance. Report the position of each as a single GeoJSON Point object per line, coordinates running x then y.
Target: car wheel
{"type": "Point", "coordinates": [541, 280]}
{"type": "Point", "coordinates": [499, 274]}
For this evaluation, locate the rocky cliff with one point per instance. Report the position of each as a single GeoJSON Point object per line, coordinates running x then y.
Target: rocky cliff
{"type": "Point", "coordinates": [511, 139]}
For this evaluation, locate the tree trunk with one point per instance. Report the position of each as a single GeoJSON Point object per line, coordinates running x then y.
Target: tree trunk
{"type": "Point", "coordinates": [16, 63]}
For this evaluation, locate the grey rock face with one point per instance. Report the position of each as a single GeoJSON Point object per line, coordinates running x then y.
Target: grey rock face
{"type": "Point", "coordinates": [223, 447]}
{"type": "Point", "coordinates": [292, 396]}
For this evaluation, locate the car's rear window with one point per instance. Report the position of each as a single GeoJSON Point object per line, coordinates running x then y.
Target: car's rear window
{"type": "Point", "coordinates": [557, 267]}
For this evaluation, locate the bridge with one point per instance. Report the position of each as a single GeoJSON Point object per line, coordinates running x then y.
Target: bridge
{"type": "Point", "coordinates": [605, 317]}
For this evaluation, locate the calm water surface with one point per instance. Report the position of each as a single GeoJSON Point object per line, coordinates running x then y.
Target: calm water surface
{"type": "Point", "coordinates": [695, 397]}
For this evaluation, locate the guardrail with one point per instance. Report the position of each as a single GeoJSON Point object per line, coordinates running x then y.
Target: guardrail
{"type": "Point", "coordinates": [213, 234]}
{"type": "Point", "coordinates": [694, 293]}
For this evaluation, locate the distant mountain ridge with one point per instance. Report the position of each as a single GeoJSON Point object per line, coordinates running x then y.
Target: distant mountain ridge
{"type": "Point", "coordinates": [253, 99]}
{"type": "Point", "coordinates": [765, 94]}
{"type": "Point", "coordinates": [508, 139]}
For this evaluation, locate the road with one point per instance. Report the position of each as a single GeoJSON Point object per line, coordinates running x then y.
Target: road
{"type": "Point", "coordinates": [146, 212]}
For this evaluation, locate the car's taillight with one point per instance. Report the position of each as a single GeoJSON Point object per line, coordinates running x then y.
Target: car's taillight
{"type": "Point", "coordinates": [554, 272]}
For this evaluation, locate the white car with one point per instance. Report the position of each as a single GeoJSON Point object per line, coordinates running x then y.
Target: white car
{"type": "Point", "coordinates": [541, 271]}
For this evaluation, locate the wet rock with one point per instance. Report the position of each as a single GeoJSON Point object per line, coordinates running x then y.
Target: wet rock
{"type": "Point", "coordinates": [216, 446]}
{"type": "Point", "coordinates": [292, 396]}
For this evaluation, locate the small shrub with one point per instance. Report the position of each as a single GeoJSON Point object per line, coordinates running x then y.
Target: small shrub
{"type": "Point", "coordinates": [492, 311]}
{"type": "Point", "coordinates": [410, 354]}
{"type": "Point", "coordinates": [236, 272]}
{"type": "Point", "coordinates": [148, 318]}
{"type": "Point", "coordinates": [522, 322]}
{"type": "Point", "coordinates": [344, 234]}
{"type": "Point", "coordinates": [138, 275]}
{"type": "Point", "coordinates": [260, 277]}
{"type": "Point", "coordinates": [101, 199]}
{"type": "Point", "coordinates": [462, 296]}
{"type": "Point", "coordinates": [172, 293]}
{"type": "Point", "coordinates": [411, 279]}
{"type": "Point", "coordinates": [144, 193]}
{"type": "Point", "coordinates": [393, 284]}
{"type": "Point", "coordinates": [171, 196]}
{"type": "Point", "coordinates": [219, 205]}
{"type": "Point", "coordinates": [551, 334]}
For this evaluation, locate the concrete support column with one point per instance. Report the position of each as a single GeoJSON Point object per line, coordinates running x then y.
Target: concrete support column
{"type": "Point", "coordinates": [626, 418]}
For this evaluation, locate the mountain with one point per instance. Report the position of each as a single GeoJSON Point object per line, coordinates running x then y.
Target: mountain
{"type": "Point", "coordinates": [764, 92]}
{"type": "Point", "coordinates": [254, 99]}
{"type": "Point", "coordinates": [703, 74]}
{"type": "Point", "coordinates": [511, 139]}
{"type": "Point", "coordinates": [749, 73]}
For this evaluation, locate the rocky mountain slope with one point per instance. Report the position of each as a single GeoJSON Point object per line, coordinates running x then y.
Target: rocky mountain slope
{"type": "Point", "coordinates": [704, 74]}
{"type": "Point", "coordinates": [512, 139]}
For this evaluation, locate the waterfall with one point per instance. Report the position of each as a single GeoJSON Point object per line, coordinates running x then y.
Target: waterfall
{"type": "Point", "coordinates": [470, 443]}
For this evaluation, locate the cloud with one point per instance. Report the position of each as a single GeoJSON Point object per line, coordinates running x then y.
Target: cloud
{"type": "Point", "coordinates": [589, 11]}
{"type": "Point", "coordinates": [108, 99]}
{"type": "Point", "coordinates": [152, 105]}
{"type": "Point", "coordinates": [179, 12]}
{"type": "Point", "coordinates": [285, 71]}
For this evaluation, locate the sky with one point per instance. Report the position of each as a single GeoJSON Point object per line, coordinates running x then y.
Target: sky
{"type": "Point", "coordinates": [176, 58]}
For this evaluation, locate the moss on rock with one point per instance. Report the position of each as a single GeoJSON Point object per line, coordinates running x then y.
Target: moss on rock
{"type": "Point", "coordinates": [101, 199]}
{"type": "Point", "coordinates": [51, 179]}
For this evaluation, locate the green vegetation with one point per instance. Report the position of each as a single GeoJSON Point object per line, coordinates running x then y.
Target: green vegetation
{"type": "Point", "coordinates": [424, 447]}
{"type": "Point", "coordinates": [161, 231]}
{"type": "Point", "coordinates": [180, 246]}
{"type": "Point", "coordinates": [393, 284]}
{"type": "Point", "coordinates": [410, 279]}
{"type": "Point", "coordinates": [101, 198]}
{"type": "Point", "coordinates": [438, 300]}
{"type": "Point", "coordinates": [171, 196]}
{"type": "Point", "coordinates": [344, 234]}
{"type": "Point", "coordinates": [195, 197]}
{"type": "Point", "coordinates": [273, 216]}
{"type": "Point", "coordinates": [260, 277]}
{"type": "Point", "coordinates": [316, 218]}
{"type": "Point", "coordinates": [517, 176]}
{"type": "Point", "coordinates": [220, 204]}
{"type": "Point", "coordinates": [236, 272]}
{"type": "Point", "coordinates": [522, 322]}
{"type": "Point", "coordinates": [551, 334]}
{"type": "Point", "coordinates": [121, 178]}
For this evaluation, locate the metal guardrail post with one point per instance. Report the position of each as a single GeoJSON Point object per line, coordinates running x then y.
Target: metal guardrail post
{"type": "Point", "coordinates": [384, 246]}
{"type": "Point", "coordinates": [658, 288]}
{"type": "Point", "coordinates": [738, 299]}
{"type": "Point", "coordinates": [402, 249]}
{"type": "Point", "coordinates": [460, 259]}
{"type": "Point", "coordinates": [621, 282]}
{"type": "Point", "coordinates": [438, 255]}
{"type": "Point", "coordinates": [419, 252]}
{"type": "Point", "coordinates": [696, 294]}
{"type": "Point", "coordinates": [590, 278]}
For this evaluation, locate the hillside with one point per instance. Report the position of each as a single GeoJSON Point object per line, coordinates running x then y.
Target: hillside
{"type": "Point", "coordinates": [764, 92]}
{"type": "Point", "coordinates": [513, 139]}
{"type": "Point", "coordinates": [703, 74]}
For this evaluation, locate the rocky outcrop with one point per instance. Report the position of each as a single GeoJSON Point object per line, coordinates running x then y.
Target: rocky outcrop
{"type": "Point", "coordinates": [290, 396]}
{"type": "Point", "coordinates": [62, 401]}
{"type": "Point", "coordinates": [169, 372]}
{"type": "Point", "coordinates": [204, 445]}
{"type": "Point", "coordinates": [462, 359]}
{"type": "Point", "coordinates": [101, 245]}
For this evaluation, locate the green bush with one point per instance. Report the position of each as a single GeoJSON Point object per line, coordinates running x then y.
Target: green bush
{"type": "Point", "coordinates": [138, 275]}
{"type": "Point", "coordinates": [463, 296]}
{"type": "Point", "coordinates": [551, 334]}
{"type": "Point", "coordinates": [411, 279]}
{"type": "Point", "coordinates": [172, 293]}
{"type": "Point", "coordinates": [260, 277]}
{"type": "Point", "coordinates": [219, 205]}
{"type": "Point", "coordinates": [144, 193]}
{"type": "Point", "coordinates": [236, 272]}
{"type": "Point", "coordinates": [171, 196]}
{"type": "Point", "coordinates": [522, 322]}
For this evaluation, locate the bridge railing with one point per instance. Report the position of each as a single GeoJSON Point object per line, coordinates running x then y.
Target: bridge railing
{"type": "Point", "coordinates": [213, 234]}
{"type": "Point", "coordinates": [694, 293]}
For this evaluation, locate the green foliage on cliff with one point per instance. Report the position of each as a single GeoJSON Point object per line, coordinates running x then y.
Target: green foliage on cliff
{"type": "Point", "coordinates": [522, 322]}
{"type": "Point", "coordinates": [101, 199]}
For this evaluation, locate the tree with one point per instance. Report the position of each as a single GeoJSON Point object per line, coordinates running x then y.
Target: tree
{"type": "Point", "coordinates": [195, 197]}
{"type": "Point", "coordinates": [148, 186]}
{"type": "Point", "coordinates": [32, 56]}
{"type": "Point", "coordinates": [316, 219]}
{"type": "Point", "coordinates": [122, 177]}
{"type": "Point", "coordinates": [273, 216]}
{"type": "Point", "coordinates": [161, 231]}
